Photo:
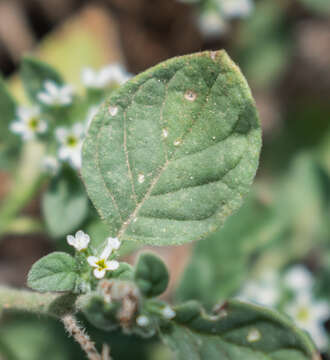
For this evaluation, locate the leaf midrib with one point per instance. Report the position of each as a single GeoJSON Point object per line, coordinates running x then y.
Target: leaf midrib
{"type": "Point", "coordinates": [133, 215]}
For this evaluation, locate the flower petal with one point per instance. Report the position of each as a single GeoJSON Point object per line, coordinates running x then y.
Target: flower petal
{"type": "Point", "coordinates": [114, 243]}
{"type": "Point", "coordinates": [92, 261]}
{"type": "Point", "coordinates": [99, 273]}
{"type": "Point", "coordinates": [71, 240]}
{"type": "Point", "coordinates": [112, 265]}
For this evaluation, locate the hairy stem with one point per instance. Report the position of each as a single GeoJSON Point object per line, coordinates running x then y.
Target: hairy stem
{"type": "Point", "coordinates": [82, 338]}
{"type": "Point", "coordinates": [46, 303]}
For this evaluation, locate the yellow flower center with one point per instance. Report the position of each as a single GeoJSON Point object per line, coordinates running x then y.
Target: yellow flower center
{"type": "Point", "coordinates": [71, 141]}
{"type": "Point", "coordinates": [303, 314]}
{"type": "Point", "coordinates": [33, 123]}
{"type": "Point", "coordinates": [101, 264]}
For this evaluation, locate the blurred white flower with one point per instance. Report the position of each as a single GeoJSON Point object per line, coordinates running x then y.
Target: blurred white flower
{"type": "Point", "coordinates": [263, 291]}
{"type": "Point", "coordinates": [50, 164]}
{"type": "Point", "coordinates": [114, 243]}
{"type": "Point", "coordinates": [28, 123]}
{"type": "Point", "coordinates": [70, 144]}
{"type": "Point", "coordinates": [211, 24]}
{"type": "Point", "coordinates": [101, 263]}
{"type": "Point", "coordinates": [310, 314]}
{"type": "Point", "coordinates": [168, 312]}
{"type": "Point", "coordinates": [108, 75]}
{"type": "Point", "coordinates": [298, 279]}
{"type": "Point", "coordinates": [80, 241]}
{"type": "Point", "coordinates": [92, 111]}
{"type": "Point", "coordinates": [54, 94]}
{"type": "Point", "coordinates": [236, 8]}
{"type": "Point", "coordinates": [142, 320]}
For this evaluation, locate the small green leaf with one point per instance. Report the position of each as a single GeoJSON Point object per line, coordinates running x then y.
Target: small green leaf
{"type": "Point", "coordinates": [54, 272]}
{"type": "Point", "coordinates": [34, 73]}
{"type": "Point", "coordinates": [237, 331]}
{"type": "Point", "coordinates": [172, 152]}
{"type": "Point", "coordinates": [124, 272]}
{"type": "Point", "coordinates": [64, 205]}
{"type": "Point", "coordinates": [151, 275]}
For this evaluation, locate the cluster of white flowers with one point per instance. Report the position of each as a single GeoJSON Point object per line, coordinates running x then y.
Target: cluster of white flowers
{"type": "Point", "coordinates": [110, 75]}
{"type": "Point", "coordinates": [308, 312]}
{"type": "Point", "coordinates": [213, 19]}
{"type": "Point", "coordinates": [236, 8]}
{"type": "Point", "coordinates": [262, 291]}
{"type": "Point", "coordinates": [56, 95]}
{"type": "Point", "coordinates": [29, 122]}
{"type": "Point", "coordinates": [100, 263]}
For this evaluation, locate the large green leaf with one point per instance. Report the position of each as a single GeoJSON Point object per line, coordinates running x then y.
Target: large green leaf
{"type": "Point", "coordinates": [65, 205]}
{"type": "Point", "coordinates": [172, 152]}
{"type": "Point", "coordinates": [54, 272]}
{"type": "Point", "coordinates": [34, 73]}
{"type": "Point", "coordinates": [238, 331]}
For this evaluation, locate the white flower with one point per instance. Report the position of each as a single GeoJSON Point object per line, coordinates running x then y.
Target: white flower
{"type": "Point", "coordinates": [108, 75]}
{"type": "Point", "coordinates": [55, 94]}
{"type": "Point", "coordinates": [142, 320]}
{"type": "Point", "coordinates": [101, 263]}
{"type": "Point", "coordinates": [263, 291]}
{"type": "Point", "coordinates": [80, 241]}
{"type": "Point", "coordinates": [310, 314]}
{"type": "Point", "coordinates": [92, 111]}
{"type": "Point", "coordinates": [28, 123]}
{"type": "Point", "coordinates": [71, 143]}
{"type": "Point", "coordinates": [50, 164]}
{"type": "Point", "coordinates": [114, 243]}
{"type": "Point", "coordinates": [168, 312]}
{"type": "Point", "coordinates": [298, 278]}
{"type": "Point", "coordinates": [236, 8]}
{"type": "Point", "coordinates": [211, 24]}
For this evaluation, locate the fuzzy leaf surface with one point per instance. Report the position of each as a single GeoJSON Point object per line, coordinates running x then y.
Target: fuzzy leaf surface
{"type": "Point", "coordinates": [54, 272]}
{"type": "Point", "coordinates": [172, 152]}
{"type": "Point", "coordinates": [239, 331]}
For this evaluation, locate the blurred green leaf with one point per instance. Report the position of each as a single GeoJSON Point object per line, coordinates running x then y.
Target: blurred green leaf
{"type": "Point", "coordinates": [237, 331]}
{"type": "Point", "coordinates": [151, 275]}
{"type": "Point", "coordinates": [27, 337]}
{"type": "Point", "coordinates": [64, 204]}
{"type": "Point", "coordinates": [321, 7]}
{"type": "Point", "coordinates": [263, 45]}
{"type": "Point", "coordinates": [34, 73]}
{"type": "Point", "coordinates": [8, 142]}
{"type": "Point", "coordinates": [54, 272]}
{"type": "Point", "coordinates": [220, 263]}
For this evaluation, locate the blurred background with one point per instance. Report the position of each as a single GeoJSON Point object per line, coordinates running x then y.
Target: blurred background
{"type": "Point", "coordinates": [283, 48]}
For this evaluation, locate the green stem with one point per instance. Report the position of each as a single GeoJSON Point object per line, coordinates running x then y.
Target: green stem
{"type": "Point", "coordinates": [37, 303]}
